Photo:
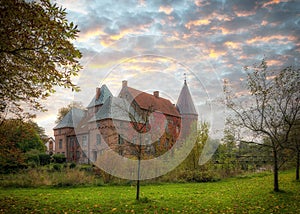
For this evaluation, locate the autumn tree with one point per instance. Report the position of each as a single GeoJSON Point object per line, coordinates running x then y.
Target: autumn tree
{"type": "Point", "coordinates": [268, 109]}
{"type": "Point", "coordinates": [191, 162]}
{"type": "Point", "coordinates": [17, 138]}
{"type": "Point", "coordinates": [36, 54]}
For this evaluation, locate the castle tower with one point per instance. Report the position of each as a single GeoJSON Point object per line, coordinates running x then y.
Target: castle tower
{"type": "Point", "coordinates": [187, 110]}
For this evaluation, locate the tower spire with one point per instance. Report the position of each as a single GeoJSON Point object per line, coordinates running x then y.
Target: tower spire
{"type": "Point", "coordinates": [185, 103]}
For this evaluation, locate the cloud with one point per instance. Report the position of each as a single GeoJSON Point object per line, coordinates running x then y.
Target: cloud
{"type": "Point", "coordinates": [215, 38]}
{"type": "Point", "coordinates": [166, 9]}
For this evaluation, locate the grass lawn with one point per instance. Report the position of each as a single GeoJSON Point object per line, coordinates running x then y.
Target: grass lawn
{"type": "Point", "coordinates": [248, 194]}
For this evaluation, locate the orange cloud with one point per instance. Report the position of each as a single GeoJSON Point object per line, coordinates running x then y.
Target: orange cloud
{"type": "Point", "coordinates": [166, 9]}
{"type": "Point", "coordinates": [274, 62]}
{"type": "Point", "coordinates": [108, 40]}
{"type": "Point", "coordinates": [83, 37]}
{"type": "Point", "coordinates": [264, 23]}
{"type": "Point", "coordinates": [273, 2]}
{"type": "Point", "coordinates": [282, 38]}
{"type": "Point", "coordinates": [232, 45]}
{"type": "Point", "coordinates": [224, 31]}
{"type": "Point", "coordinates": [215, 54]}
{"type": "Point", "coordinates": [244, 13]}
{"type": "Point", "coordinates": [197, 23]}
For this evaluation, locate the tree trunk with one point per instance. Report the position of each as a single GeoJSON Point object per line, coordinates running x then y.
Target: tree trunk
{"type": "Point", "coordinates": [298, 165]}
{"type": "Point", "coordinates": [275, 171]}
{"type": "Point", "coordinates": [138, 181]}
{"type": "Point", "coordinates": [139, 170]}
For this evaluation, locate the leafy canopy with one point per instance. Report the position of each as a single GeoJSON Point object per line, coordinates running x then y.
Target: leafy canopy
{"type": "Point", "coordinates": [36, 54]}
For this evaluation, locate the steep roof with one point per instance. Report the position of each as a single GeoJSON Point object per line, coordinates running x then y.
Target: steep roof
{"type": "Point", "coordinates": [71, 119]}
{"type": "Point", "coordinates": [185, 104]}
{"type": "Point", "coordinates": [104, 94]}
{"type": "Point", "coordinates": [145, 100]}
{"type": "Point", "coordinates": [83, 126]}
{"type": "Point", "coordinates": [113, 108]}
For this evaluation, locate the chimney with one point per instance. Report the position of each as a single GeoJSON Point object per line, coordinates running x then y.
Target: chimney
{"type": "Point", "coordinates": [124, 83]}
{"type": "Point", "coordinates": [156, 94]}
{"type": "Point", "coordinates": [98, 92]}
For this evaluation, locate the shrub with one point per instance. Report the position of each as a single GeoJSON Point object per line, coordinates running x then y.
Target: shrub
{"type": "Point", "coordinates": [44, 159]}
{"type": "Point", "coordinates": [72, 165]}
{"type": "Point", "coordinates": [33, 159]}
{"type": "Point", "coordinates": [56, 167]}
{"type": "Point", "coordinates": [72, 178]}
{"type": "Point", "coordinates": [38, 177]}
{"type": "Point", "coordinates": [59, 158]}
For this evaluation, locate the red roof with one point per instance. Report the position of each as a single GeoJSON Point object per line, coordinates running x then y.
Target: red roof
{"type": "Point", "coordinates": [145, 100]}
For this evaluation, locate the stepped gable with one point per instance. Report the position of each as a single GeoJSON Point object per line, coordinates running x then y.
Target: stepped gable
{"type": "Point", "coordinates": [71, 119]}
{"type": "Point", "coordinates": [113, 108]}
{"type": "Point", "coordinates": [185, 104]}
{"type": "Point", "coordinates": [145, 100]}
{"type": "Point", "coordinates": [101, 96]}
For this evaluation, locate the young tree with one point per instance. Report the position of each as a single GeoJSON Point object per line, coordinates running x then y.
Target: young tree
{"type": "Point", "coordinates": [269, 109]}
{"type": "Point", "coordinates": [36, 54]}
{"type": "Point", "coordinates": [295, 145]}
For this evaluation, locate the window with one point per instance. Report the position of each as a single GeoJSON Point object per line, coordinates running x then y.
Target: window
{"type": "Point", "coordinates": [98, 139]}
{"type": "Point", "coordinates": [120, 140]}
{"type": "Point", "coordinates": [84, 140]}
{"type": "Point", "coordinates": [94, 155]}
{"type": "Point", "coordinates": [71, 142]}
{"type": "Point", "coordinates": [60, 144]}
{"type": "Point", "coordinates": [71, 155]}
{"type": "Point", "coordinates": [77, 154]}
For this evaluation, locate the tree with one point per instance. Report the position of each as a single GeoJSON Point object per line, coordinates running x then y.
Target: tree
{"type": "Point", "coordinates": [192, 160]}
{"type": "Point", "coordinates": [295, 145]}
{"type": "Point", "coordinates": [17, 138]}
{"type": "Point", "coordinates": [64, 110]}
{"type": "Point", "coordinates": [22, 134]}
{"type": "Point", "coordinates": [36, 54]}
{"type": "Point", "coordinates": [269, 109]}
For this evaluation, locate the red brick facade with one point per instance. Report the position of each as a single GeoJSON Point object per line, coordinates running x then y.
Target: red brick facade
{"type": "Point", "coordinates": [99, 129]}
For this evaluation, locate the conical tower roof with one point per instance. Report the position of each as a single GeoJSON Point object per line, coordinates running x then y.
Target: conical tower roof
{"type": "Point", "coordinates": [185, 104]}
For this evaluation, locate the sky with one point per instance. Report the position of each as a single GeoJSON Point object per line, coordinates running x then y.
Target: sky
{"type": "Point", "coordinates": [155, 45]}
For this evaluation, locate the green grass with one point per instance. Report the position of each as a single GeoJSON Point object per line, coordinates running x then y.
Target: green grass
{"type": "Point", "coordinates": [250, 194]}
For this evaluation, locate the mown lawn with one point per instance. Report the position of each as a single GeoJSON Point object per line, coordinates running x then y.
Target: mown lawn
{"type": "Point", "coordinates": [248, 194]}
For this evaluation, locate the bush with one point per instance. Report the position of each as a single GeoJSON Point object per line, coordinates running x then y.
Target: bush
{"type": "Point", "coordinates": [72, 165]}
{"type": "Point", "coordinates": [33, 159]}
{"type": "Point", "coordinates": [185, 175]}
{"type": "Point", "coordinates": [44, 159]}
{"type": "Point", "coordinates": [38, 177]}
{"type": "Point", "coordinates": [56, 167]}
{"type": "Point", "coordinates": [59, 158]}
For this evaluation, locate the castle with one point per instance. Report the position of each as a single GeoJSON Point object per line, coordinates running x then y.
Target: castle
{"type": "Point", "coordinates": [134, 123]}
